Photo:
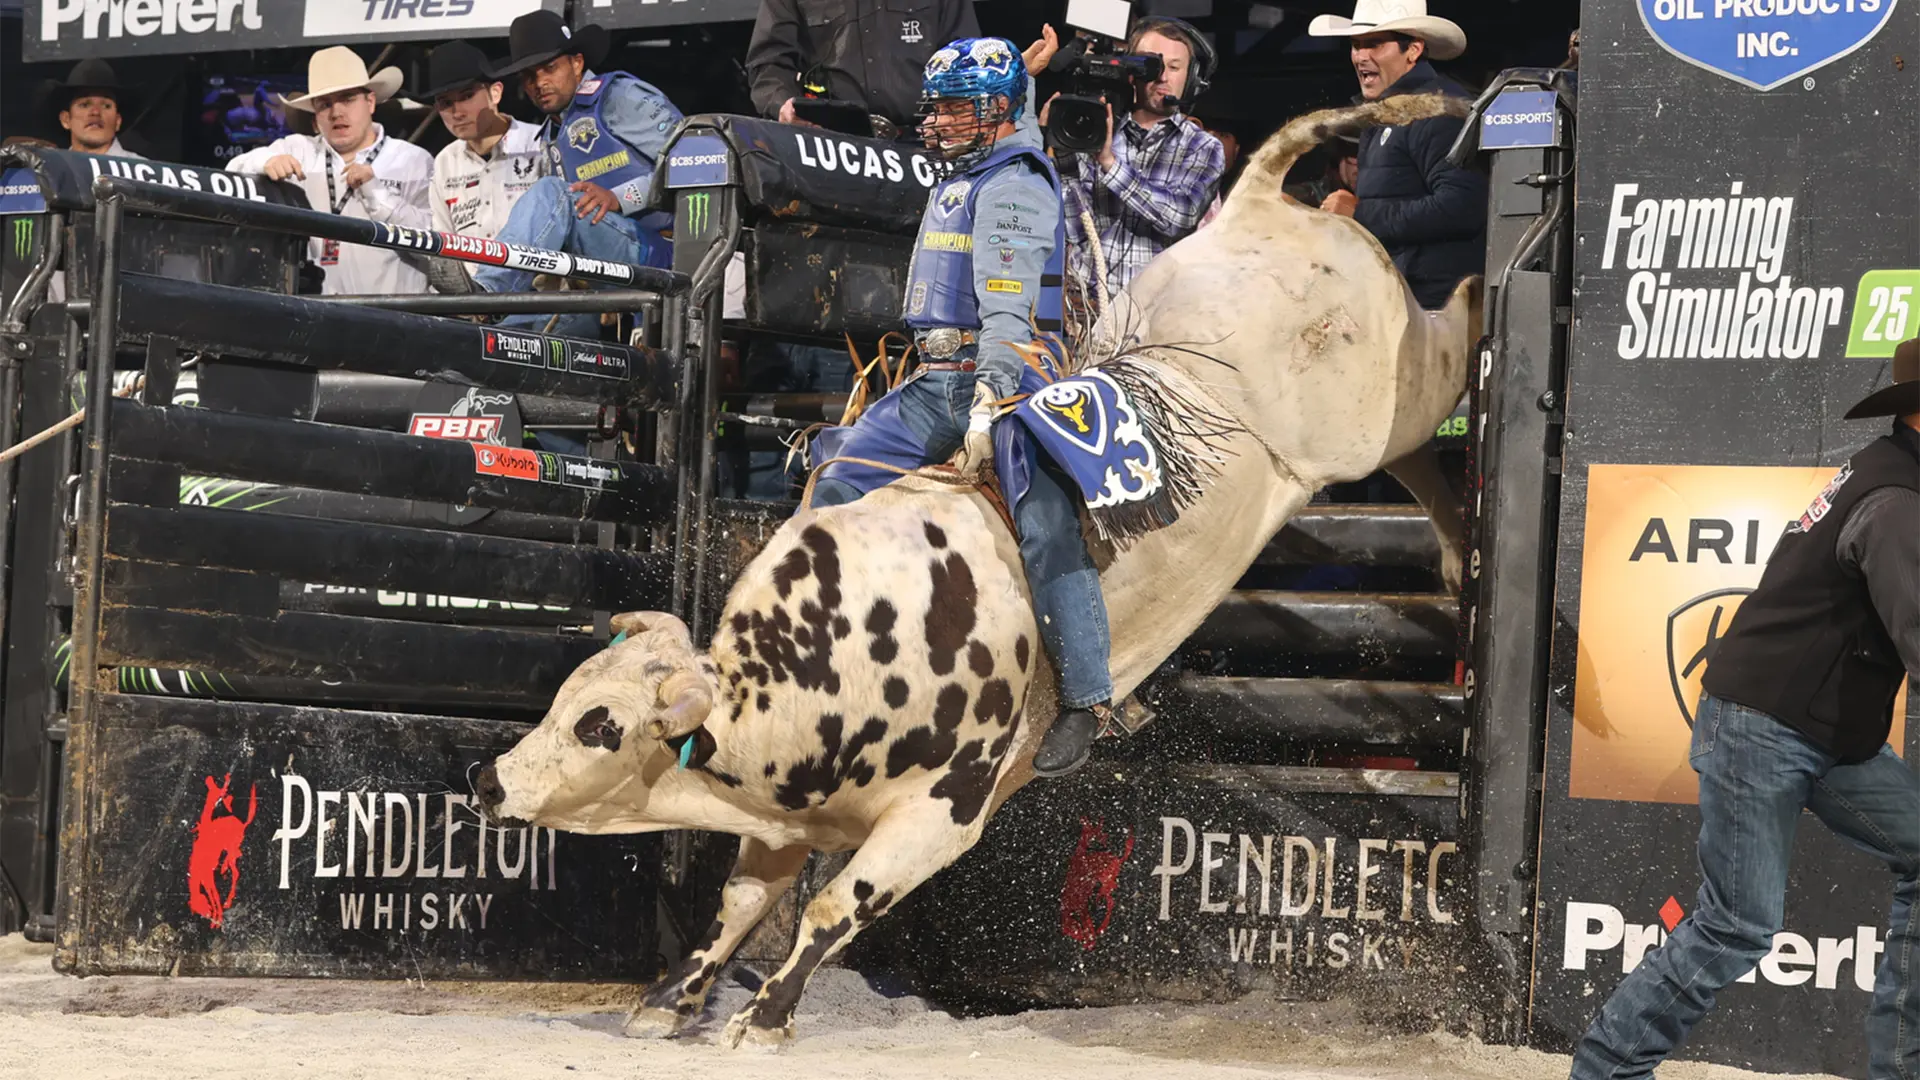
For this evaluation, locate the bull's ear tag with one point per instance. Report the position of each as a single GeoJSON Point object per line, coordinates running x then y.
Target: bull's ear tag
{"type": "Point", "coordinates": [617, 639]}
{"type": "Point", "coordinates": [686, 751]}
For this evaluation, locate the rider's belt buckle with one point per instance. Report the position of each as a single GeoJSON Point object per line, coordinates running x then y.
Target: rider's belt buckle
{"type": "Point", "coordinates": [941, 344]}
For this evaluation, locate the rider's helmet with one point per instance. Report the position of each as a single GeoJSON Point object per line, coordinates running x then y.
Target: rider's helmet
{"type": "Point", "coordinates": [986, 72]}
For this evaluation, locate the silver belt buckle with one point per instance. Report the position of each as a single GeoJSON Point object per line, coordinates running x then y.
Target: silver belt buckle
{"type": "Point", "coordinates": [941, 344]}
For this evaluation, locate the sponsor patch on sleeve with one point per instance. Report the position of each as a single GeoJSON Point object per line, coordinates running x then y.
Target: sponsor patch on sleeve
{"type": "Point", "coordinates": [1004, 285]}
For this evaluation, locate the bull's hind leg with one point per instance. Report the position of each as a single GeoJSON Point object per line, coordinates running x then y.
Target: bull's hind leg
{"type": "Point", "coordinates": [1420, 473]}
{"type": "Point", "coordinates": [761, 875]}
{"type": "Point", "coordinates": [903, 851]}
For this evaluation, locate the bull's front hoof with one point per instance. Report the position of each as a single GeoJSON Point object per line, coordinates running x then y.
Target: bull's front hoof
{"type": "Point", "coordinates": [742, 1032]}
{"type": "Point", "coordinates": [645, 1022]}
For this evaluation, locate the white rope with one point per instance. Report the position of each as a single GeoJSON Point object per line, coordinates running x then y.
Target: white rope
{"type": "Point", "coordinates": [130, 388]}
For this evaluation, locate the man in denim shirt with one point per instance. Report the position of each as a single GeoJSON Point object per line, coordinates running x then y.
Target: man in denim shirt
{"type": "Point", "coordinates": [605, 133]}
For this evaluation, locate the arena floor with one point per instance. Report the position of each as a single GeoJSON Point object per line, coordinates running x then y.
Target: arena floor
{"type": "Point", "coordinates": [110, 1028]}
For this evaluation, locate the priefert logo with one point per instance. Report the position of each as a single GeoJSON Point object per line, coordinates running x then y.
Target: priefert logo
{"type": "Point", "coordinates": [1602, 928]}
{"type": "Point", "coordinates": [141, 18]}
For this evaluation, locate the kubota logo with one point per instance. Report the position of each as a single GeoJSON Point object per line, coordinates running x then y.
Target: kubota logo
{"type": "Point", "coordinates": [216, 851]}
{"type": "Point", "coordinates": [22, 236]}
{"type": "Point", "coordinates": [1086, 899]}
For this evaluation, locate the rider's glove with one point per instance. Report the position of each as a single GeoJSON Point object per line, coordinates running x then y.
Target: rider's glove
{"type": "Point", "coordinates": [976, 450]}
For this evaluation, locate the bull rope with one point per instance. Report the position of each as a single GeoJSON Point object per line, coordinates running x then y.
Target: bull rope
{"type": "Point", "coordinates": [68, 424]}
{"type": "Point", "coordinates": [939, 474]}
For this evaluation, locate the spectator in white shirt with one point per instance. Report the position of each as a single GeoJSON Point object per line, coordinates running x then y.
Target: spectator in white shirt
{"type": "Point", "coordinates": [493, 159]}
{"type": "Point", "coordinates": [352, 168]}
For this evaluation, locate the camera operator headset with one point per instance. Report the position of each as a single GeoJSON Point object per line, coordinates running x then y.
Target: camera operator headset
{"type": "Point", "coordinates": [1151, 186]}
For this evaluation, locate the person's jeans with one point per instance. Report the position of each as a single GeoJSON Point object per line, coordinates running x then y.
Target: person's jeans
{"type": "Point", "coordinates": [1756, 774]}
{"type": "Point", "coordinates": [1066, 589]}
{"type": "Point", "coordinates": [545, 218]}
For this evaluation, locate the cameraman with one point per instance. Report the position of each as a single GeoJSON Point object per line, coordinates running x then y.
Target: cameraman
{"type": "Point", "coordinates": [1153, 181]}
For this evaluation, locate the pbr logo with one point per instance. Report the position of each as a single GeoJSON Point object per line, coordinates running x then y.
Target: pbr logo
{"type": "Point", "coordinates": [1763, 43]}
{"type": "Point", "coordinates": [1693, 631]}
{"type": "Point", "coordinates": [469, 419]}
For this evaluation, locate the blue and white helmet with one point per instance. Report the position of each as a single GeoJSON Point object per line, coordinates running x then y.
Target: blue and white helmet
{"type": "Point", "coordinates": [979, 68]}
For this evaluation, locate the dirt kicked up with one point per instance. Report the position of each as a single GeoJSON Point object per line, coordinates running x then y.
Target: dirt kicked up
{"type": "Point", "coordinates": [275, 1029]}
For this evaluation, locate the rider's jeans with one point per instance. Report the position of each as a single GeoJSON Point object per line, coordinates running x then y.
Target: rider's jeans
{"type": "Point", "coordinates": [1756, 775]}
{"type": "Point", "coordinates": [1066, 588]}
{"type": "Point", "coordinates": [545, 218]}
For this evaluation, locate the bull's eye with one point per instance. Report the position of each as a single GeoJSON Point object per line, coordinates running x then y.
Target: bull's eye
{"type": "Point", "coordinates": [596, 728]}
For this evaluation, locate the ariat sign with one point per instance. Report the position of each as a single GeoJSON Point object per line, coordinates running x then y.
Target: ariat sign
{"type": "Point", "coordinates": [1598, 937]}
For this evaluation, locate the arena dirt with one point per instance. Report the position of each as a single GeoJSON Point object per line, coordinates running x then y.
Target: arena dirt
{"type": "Point", "coordinates": [850, 1027]}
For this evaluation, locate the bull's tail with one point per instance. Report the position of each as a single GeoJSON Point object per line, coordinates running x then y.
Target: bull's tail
{"type": "Point", "coordinates": [1269, 164]}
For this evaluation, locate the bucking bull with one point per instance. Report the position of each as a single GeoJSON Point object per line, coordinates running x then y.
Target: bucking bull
{"type": "Point", "coordinates": [875, 682]}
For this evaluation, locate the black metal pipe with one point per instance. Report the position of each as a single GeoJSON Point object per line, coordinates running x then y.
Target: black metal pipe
{"type": "Point", "coordinates": [35, 285]}
{"type": "Point", "coordinates": [357, 554]}
{"type": "Point", "coordinates": [109, 218]}
{"type": "Point", "coordinates": [157, 199]}
{"type": "Point", "coordinates": [569, 302]}
{"type": "Point", "coordinates": [296, 330]}
{"type": "Point", "coordinates": [305, 454]}
{"type": "Point", "coordinates": [387, 401]}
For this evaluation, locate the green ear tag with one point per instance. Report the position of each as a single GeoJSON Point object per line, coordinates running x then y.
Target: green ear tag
{"type": "Point", "coordinates": [617, 639]}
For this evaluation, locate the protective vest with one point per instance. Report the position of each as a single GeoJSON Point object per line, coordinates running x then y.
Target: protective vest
{"type": "Point", "coordinates": [585, 147]}
{"type": "Point", "coordinates": [940, 282]}
{"type": "Point", "coordinates": [1807, 647]}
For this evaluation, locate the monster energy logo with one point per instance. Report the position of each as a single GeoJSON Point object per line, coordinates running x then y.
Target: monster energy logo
{"type": "Point", "coordinates": [699, 209]}
{"type": "Point", "coordinates": [556, 354]}
{"type": "Point", "coordinates": [22, 237]}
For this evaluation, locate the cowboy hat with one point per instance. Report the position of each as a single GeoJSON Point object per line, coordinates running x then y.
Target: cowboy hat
{"type": "Point", "coordinates": [332, 70]}
{"type": "Point", "coordinates": [1445, 40]}
{"type": "Point", "coordinates": [539, 36]}
{"type": "Point", "coordinates": [87, 75]}
{"type": "Point", "coordinates": [1903, 396]}
{"type": "Point", "coordinates": [456, 65]}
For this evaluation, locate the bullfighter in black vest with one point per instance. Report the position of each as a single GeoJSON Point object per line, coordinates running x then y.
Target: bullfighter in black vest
{"type": "Point", "coordinates": [1796, 707]}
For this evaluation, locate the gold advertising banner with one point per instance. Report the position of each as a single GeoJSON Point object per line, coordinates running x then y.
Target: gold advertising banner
{"type": "Point", "coordinates": [1671, 550]}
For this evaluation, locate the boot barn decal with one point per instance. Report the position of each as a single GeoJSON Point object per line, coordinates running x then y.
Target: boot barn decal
{"type": "Point", "coordinates": [1670, 553]}
{"type": "Point", "coordinates": [216, 851]}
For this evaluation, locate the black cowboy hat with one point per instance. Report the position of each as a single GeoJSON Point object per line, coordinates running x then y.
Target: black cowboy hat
{"type": "Point", "coordinates": [539, 36]}
{"type": "Point", "coordinates": [88, 75]}
{"type": "Point", "coordinates": [456, 65]}
{"type": "Point", "coordinates": [1903, 396]}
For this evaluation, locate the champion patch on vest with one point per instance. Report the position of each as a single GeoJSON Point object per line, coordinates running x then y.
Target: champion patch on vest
{"type": "Point", "coordinates": [1823, 502]}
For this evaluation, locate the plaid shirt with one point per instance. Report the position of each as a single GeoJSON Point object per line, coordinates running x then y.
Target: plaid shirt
{"type": "Point", "coordinates": [1161, 184]}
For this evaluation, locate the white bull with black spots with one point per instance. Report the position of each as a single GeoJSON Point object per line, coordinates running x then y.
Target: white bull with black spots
{"type": "Point", "coordinates": [876, 682]}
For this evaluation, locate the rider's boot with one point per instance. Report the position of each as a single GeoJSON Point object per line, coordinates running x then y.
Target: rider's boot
{"type": "Point", "coordinates": [1069, 742]}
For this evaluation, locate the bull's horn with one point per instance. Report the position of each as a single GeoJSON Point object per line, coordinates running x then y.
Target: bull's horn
{"type": "Point", "coordinates": [635, 623]}
{"type": "Point", "coordinates": [686, 701]}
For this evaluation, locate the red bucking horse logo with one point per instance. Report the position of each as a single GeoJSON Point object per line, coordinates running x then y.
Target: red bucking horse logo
{"type": "Point", "coordinates": [1086, 900]}
{"type": "Point", "coordinates": [216, 851]}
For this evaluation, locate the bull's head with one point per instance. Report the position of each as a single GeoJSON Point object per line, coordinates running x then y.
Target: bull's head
{"type": "Point", "coordinates": [620, 721]}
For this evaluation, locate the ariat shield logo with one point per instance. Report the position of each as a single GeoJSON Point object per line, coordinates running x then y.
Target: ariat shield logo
{"type": "Point", "coordinates": [699, 213]}
{"type": "Point", "coordinates": [22, 237]}
{"type": "Point", "coordinates": [1693, 631]}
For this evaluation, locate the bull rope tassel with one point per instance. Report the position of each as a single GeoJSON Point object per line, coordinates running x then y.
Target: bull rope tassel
{"type": "Point", "coordinates": [1098, 293]}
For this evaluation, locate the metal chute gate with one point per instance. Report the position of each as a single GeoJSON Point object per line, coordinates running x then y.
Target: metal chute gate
{"type": "Point", "coordinates": [296, 631]}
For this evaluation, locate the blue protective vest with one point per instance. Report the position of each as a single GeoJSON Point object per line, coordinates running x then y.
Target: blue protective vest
{"type": "Point", "coordinates": [586, 149]}
{"type": "Point", "coordinates": [940, 282]}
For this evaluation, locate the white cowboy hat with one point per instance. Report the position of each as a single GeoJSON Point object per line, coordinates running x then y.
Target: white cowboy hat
{"type": "Point", "coordinates": [1445, 40]}
{"type": "Point", "coordinates": [340, 68]}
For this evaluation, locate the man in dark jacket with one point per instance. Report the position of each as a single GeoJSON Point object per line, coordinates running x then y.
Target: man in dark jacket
{"type": "Point", "coordinates": [1430, 216]}
{"type": "Point", "coordinates": [1795, 710]}
{"type": "Point", "coordinates": [870, 52]}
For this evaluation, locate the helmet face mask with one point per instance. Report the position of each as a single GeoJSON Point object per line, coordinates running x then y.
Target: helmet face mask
{"type": "Point", "coordinates": [961, 130]}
